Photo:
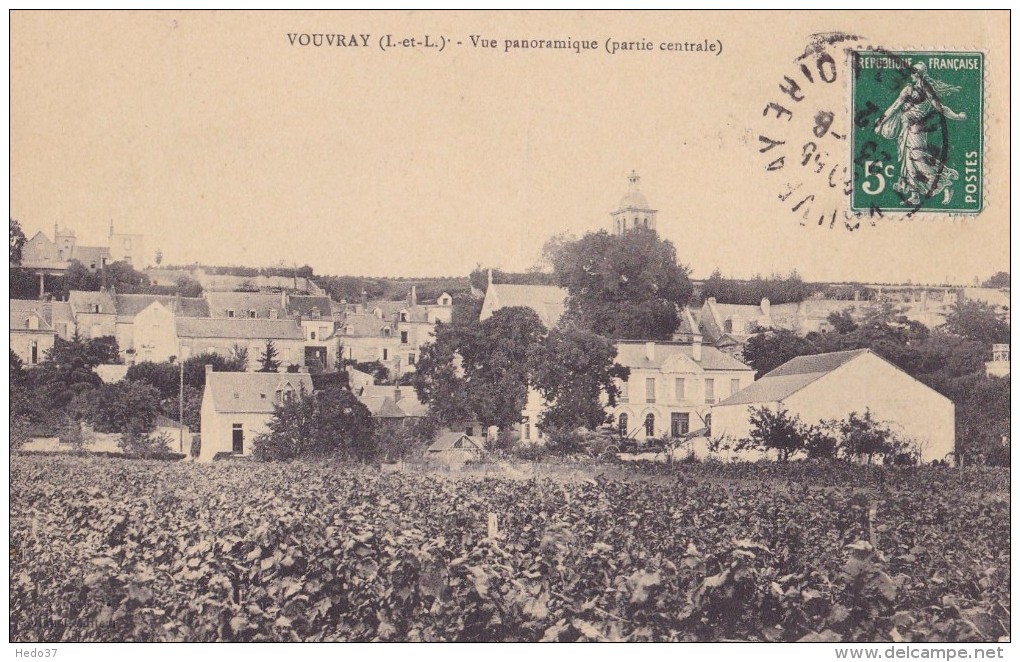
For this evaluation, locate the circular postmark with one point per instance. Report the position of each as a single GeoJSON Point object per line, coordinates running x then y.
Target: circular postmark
{"type": "Point", "coordinates": [804, 133]}
{"type": "Point", "coordinates": [828, 151]}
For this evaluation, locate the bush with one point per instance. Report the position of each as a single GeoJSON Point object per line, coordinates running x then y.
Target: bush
{"type": "Point", "coordinates": [145, 444]}
{"type": "Point", "coordinates": [323, 423]}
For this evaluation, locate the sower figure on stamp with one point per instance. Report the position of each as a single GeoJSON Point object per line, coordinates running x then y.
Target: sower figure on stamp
{"type": "Point", "coordinates": [922, 172]}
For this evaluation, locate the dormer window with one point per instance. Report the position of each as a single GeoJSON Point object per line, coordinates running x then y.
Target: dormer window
{"type": "Point", "coordinates": [386, 331]}
{"type": "Point", "coordinates": [32, 323]}
{"type": "Point", "coordinates": [273, 314]}
{"type": "Point", "coordinates": [315, 313]}
{"type": "Point", "coordinates": [96, 308]}
{"type": "Point", "coordinates": [253, 314]}
{"type": "Point", "coordinates": [230, 313]}
{"type": "Point", "coordinates": [403, 317]}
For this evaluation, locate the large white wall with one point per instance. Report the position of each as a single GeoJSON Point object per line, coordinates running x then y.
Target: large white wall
{"type": "Point", "coordinates": [911, 409]}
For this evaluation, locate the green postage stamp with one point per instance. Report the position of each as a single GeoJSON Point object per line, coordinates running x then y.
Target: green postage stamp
{"type": "Point", "coordinates": [917, 131]}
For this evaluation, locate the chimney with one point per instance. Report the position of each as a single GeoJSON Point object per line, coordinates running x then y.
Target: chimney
{"type": "Point", "coordinates": [208, 368]}
{"type": "Point", "coordinates": [711, 300]}
{"type": "Point", "coordinates": [490, 277]}
{"type": "Point", "coordinates": [396, 394]}
{"type": "Point", "coordinates": [414, 295]}
{"type": "Point", "coordinates": [766, 306]}
{"type": "Point", "coordinates": [54, 231]}
{"type": "Point", "coordinates": [696, 348]}
{"type": "Point", "coordinates": [47, 312]}
{"type": "Point", "coordinates": [179, 304]}
{"type": "Point", "coordinates": [283, 301]}
{"type": "Point", "coordinates": [364, 298]}
{"type": "Point", "coordinates": [650, 350]}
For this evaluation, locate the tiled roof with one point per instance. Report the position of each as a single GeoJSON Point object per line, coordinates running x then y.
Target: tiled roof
{"type": "Point", "coordinates": [448, 441]}
{"type": "Point", "coordinates": [259, 329]}
{"type": "Point", "coordinates": [382, 402]}
{"type": "Point", "coordinates": [364, 324]}
{"type": "Point", "coordinates": [815, 363]}
{"type": "Point", "coordinates": [89, 255]}
{"type": "Point", "coordinates": [243, 302]}
{"type": "Point", "coordinates": [549, 301]}
{"type": "Point", "coordinates": [791, 377]}
{"type": "Point", "coordinates": [303, 305]}
{"type": "Point", "coordinates": [132, 304]}
{"type": "Point", "coordinates": [253, 392]}
{"type": "Point", "coordinates": [22, 309]}
{"type": "Point", "coordinates": [82, 302]}
{"type": "Point", "coordinates": [632, 354]}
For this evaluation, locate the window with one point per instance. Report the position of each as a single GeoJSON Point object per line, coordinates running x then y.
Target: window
{"type": "Point", "coordinates": [403, 337]}
{"type": "Point", "coordinates": [237, 439]}
{"type": "Point", "coordinates": [315, 313]}
{"type": "Point", "coordinates": [623, 425]}
{"type": "Point", "coordinates": [650, 389]}
{"type": "Point", "coordinates": [679, 423]}
{"type": "Point", "coordinates": [410, 359]}
{"type": "Point", "coordinates": [34, 357]}
{"type": "Point", "coordinates": [230, 312]}
{"type": "Point", "coordinates": [96, 308]}
{"type": "Point", "coordinates": [385, 354]}
{"type": "Point", "coordinates": [624, 390]}
{"type": "Point", "coordinates": [32, 323]}
{"type": "Point", "coordinates": [274, 314]}
{"type": "Point", "coordinates": [526, 428]}
{"type": "Point", "coordinates": [709, 391]}
{"type": "Point", "coordinates": [650, 425]}
{"type": "Point", "coordinates": [312, 336]}
{"type": "Point", "coordinates": [469, 431]}
{"type": "Point", "coordinates": [386, 331]}
{"type": "Point", "coordinates": [680, 388]}
{"type": "Point", "coordinates": [728, 326]}
{"type": "Point", "coordinates": [253, 314]}
{"type": "Point", "coordinates": [403, 317]}
{"type": "Point", "coordinates": [734, 386]}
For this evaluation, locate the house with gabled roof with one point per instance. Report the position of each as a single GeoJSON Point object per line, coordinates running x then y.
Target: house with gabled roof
{"type": "Point", "coordinates": [672, 386]}
{"type": "Point", "coordinates": [728, 326]}
{"type": "Point", "coordinates": [834, 385]}
{"type": "Point", "coordinates": [237, 406]}
{"type": "Point", "coordinates": [31, 330]}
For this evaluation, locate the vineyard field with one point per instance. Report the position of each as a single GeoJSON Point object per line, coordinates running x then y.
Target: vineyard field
{"type": "Point", "coordinates": [116, 550]}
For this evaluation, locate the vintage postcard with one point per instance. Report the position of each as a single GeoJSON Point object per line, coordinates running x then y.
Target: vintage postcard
{"type": "Point", "coordinates": [511, 326]}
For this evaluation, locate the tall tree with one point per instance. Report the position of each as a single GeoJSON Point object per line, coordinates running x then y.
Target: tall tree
{"type": "Point", "coordinates": [999, 279]}
{"type": "Point", "coordinates": [976, 320]}
{"type": "Point", "coordinates": [573, 369]}
{"type": "Point", "coordinates": [768, 350]}
{"type": "Point", "coordinates": [268, 360]}
{"type": "Point", "coordinates": [17, 242]}
{"type": "Point", "coordinates": [627, 286]}
{"type": "Point", "coordinates": [331, 422]}
{"type": "Point", "coordinates": [479, 370]}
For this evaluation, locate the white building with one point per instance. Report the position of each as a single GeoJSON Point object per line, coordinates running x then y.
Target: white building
{"type": "Point", "coordinates": [832, 386]}
{"type": "Point", "coordinates": [672, 386]}
{"type": "Point", "coordinates": [237, 406]}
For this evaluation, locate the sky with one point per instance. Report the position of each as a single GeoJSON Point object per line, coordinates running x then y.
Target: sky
{"type": "Point", "coordinates": [225, 144]}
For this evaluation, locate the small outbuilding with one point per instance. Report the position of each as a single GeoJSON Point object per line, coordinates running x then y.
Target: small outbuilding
{"type": "Point", "coordinates": [831, 386]}
{"type": "Point", "coordinates": [455, 448]}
